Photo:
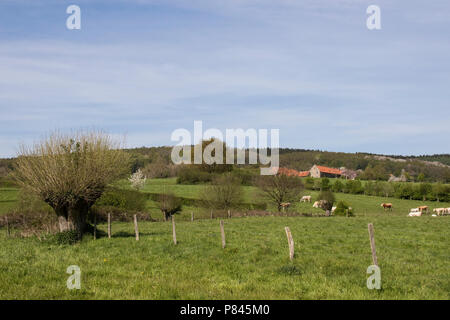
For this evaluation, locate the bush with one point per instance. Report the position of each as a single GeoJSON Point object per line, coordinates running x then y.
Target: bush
{"type": "Point", "coordinates": [225, 192]}
{"type": "Point", "coordinates": [67, 237]}
{"type": "Point", "coordinates": [169, 205]}
{"type": "Point", "coordinates": [193, 175]}
{"type": "Point", "coordinates": [159, 170]}
{"type": "Point", "coordinates": [328, 197]}
{"type": "Point", "coordinates": [246, 176]}
{"type": "Point", "coordinates": [338, 186]}
{"type": "Point", "coordinates": [123, 199]}
{"type": "Point", "coordinates": [343, 209]}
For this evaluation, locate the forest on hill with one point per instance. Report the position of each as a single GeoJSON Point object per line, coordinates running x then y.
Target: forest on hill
{"type": "Point", "coordinates": [424, 168]}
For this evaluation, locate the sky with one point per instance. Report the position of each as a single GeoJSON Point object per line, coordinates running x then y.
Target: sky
{"type": "Point", "coordinates": [141, 69]}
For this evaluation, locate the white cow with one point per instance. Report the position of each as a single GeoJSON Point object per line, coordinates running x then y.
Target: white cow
{"type": "Point", "coordinates": [415, 214]}
{"type": "Point", "coordinates": [316, 204]}
{"type": "Point", "coordinates": [305, 199]}
{"type": "Point", "coordinates": [439, 211]}
{"type": "Point", "coordinates": [332, 209]}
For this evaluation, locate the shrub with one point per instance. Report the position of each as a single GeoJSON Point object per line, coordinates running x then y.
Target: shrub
{"type": "Point", "coordinates": [338, 186]}
{"type": "Point", "coordinates": [343, 209]}
{"type": "Point", "coordinates": [328, 198]}
{"type": "Point", "coordinates": [225, 192]}
{"type": "Point", "coordinates": [160, 170]}
{"type": "Point", "coordinates": [67, 237]}
{"type": "Point", "coordinates": [193, 175]}
{"type": "Point", "coordinates": [123, 199]}
{"type": "Point", "coordinates": [325, 184]}
{"type": "Point", "coordinates": [169, 205]}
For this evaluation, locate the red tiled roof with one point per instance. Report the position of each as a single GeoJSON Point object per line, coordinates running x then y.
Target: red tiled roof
{"type": "Point", "coordinates": [329, 170]}
{"type": "Point", "coordinates": [292, 172]}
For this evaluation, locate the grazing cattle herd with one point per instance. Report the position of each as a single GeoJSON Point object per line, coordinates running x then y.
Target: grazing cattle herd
{"type": "Point", "coordinates": [414, 212]}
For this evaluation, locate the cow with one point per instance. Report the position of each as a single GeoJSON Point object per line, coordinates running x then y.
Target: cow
{"type": "Point", "coordinates": [285, 205]}
{"type": "Point", "coordinates": [387, 206]}
{"type": "Point", "coordinates": [415, 214]}
{"type": "Point", "coordinates": [332, 209]}
{"type": "Point", "coordinates": [423, 209]}
{"type": "Point", "coordinates": [305, 199]}
{"type": "Point", "coordinates": [320, 204]}
{"type": "Point", "coordinates": [439, 211]}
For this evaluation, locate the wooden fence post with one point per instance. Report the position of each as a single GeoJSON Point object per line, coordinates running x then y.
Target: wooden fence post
{"type": "Point", "coordinates": [173, 231]}
{"type": "Point", "coordinates": [290, 242]}
{"type": "Point", "coordinates": [211, 214]}
{"type": "Point", "coordinates": [8, 232]}
{"type": "Point", "coordinates": [109, 225]}
{"type": "Point", "coordinates": [229, 214]}
{"type": "Point", "coordinates": [222, 231]}
{"type": "Point", "coordinates": [192, 215]}
{"type": "Point", "coordinates": [372, 244]}
{"type": "Point", "coordinates": [136, 230]}
{"type": "Point", "coordinates": [95, 226]}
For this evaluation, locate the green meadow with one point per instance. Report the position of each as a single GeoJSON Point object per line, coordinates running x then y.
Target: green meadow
{"type": "Point", "coordinates": [331, 254]}
{"type": "Point", "coordinates": [331, 259]}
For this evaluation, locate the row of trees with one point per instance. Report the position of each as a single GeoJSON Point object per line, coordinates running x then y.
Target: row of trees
{"type": "Point", "coordinates": [402, 190]}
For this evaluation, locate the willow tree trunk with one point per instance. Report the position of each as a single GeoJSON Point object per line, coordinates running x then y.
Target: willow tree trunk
{"type": "Point", "coordinates": [77, 220]}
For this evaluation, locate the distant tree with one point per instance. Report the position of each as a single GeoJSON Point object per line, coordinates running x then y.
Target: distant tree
{"type": "Point", "coordinates": [387, 189]}
{"type": "Point", "coordinates": [338, 186]}
{"type": "Point", "coordinates": [327, 199]}
{"type": "Point", "coordinates": [169, 205]}
{"type": "Point", "coordinates": [425, 189]}
{"type": "Point", "coordinates": [325, 184]}
{"type": "Point", "coordinates": [421, 177]}
{"type": "Point", "coordinates": [225, 192]}
{"type": "Point", "coordinates": [309, 183]}
{"type": "Point", "coordinates": [343, 209]}
{"type": "Point", "coordinates": [280, 189]}
{"type": "Point", "coordinates": [439, 192]}
{"type": "Point", "coordinates": [210, 150]}
{"type": "Point", "coordinates": [137, 180]}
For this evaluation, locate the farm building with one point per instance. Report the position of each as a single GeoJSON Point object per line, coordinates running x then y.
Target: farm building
{"type": "Point", "coordinates": [321, 171]}
{"type": "Point", "coordinates": [315, 172]}
{"type": "Point", "coordinates": [292, 172]}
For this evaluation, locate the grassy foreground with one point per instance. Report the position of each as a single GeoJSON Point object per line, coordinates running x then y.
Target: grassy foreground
{"type": "Point", "coordinates": [332, 255]}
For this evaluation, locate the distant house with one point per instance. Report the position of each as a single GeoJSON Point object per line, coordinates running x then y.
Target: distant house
{"type": "Point", "coordinates": [321, 171]}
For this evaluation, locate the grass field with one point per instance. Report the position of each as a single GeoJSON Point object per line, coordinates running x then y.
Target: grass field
{"type": "Point", "coordinates": [8, 199]}
{"type": "Point", "coordinates": [363, 205]}
{"type": "Point", "coordinates": [332, 255]}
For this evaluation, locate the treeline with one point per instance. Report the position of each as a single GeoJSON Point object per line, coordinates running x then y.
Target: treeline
{"type": "Point", "coordinates": [156, 163]}
{"type": "Point", "coordinates": [402, 190]}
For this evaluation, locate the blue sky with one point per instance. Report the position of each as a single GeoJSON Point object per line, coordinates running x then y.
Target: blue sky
{"type": "Point", "coordinates": [143, 68]}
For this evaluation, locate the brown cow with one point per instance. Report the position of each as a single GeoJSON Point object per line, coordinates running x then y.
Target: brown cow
{"type": "Point", "coordinates": [423, 209]}
{"type": "Point", "coordinates": [284, 205]}
{"type": "Point", "coordinates": [387, 206]}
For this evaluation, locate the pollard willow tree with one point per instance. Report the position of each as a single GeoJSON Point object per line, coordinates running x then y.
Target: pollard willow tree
{"type": "Point", "coordinates": [70, 172]}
